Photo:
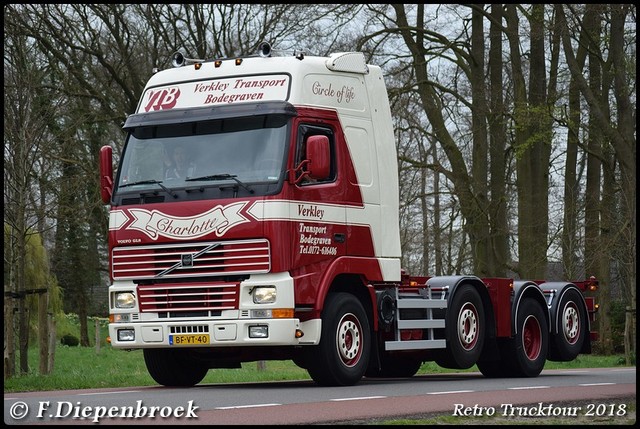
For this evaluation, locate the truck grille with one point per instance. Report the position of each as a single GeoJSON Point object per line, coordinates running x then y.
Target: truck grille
{"type": "Point", "coordinates": [220, 258]}
{"type": "Point", "coordinates": [188, 300]}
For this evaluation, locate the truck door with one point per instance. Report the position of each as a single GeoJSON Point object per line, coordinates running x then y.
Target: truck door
{"type": "Point", "coordinates": [317, 204]}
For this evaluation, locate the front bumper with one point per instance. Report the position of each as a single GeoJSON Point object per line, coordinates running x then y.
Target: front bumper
{"type": "Point", "coordinates": [227, 333]}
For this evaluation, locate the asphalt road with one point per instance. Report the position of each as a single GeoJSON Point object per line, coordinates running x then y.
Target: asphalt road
{"type": "Point", "coordinates": [591, 392]}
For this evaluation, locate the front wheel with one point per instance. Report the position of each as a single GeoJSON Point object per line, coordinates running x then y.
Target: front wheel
{"type": "Point", "coordinates": [342, 356]}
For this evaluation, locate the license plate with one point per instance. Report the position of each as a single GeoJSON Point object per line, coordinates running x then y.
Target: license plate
{"type": "Point", "coordinates": [188, 340]}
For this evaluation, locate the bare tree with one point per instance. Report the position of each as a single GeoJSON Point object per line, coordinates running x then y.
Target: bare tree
{"type": "Point", "coordinates": [428, 49]}
{"type": "Point", "coordinates": [621, 135]}
{"type": "Point", "coordinates": [27, 109]}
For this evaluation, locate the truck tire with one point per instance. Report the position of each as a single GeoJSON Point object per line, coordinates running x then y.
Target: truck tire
{"type": "Point", "coordinates": [499, 367]}
{"type": "Point", "coordinates": [530, 344]}
{"type": "Point", "coordinates": [567, 343]}
{"type": "Point", "coordinates": [299, 358]}
{"type": "Point", "coordinates": [342, 356]}
{"type": "Point", "coordinates": [173, 368]}
{"type": "Point", "coordinates": [395, 366]}
{"type": "Point", "coordinates": [465, 329]}
{"type": "Point", "coordinates": [492, 369]}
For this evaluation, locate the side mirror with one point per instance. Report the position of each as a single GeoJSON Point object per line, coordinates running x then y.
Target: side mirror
{"type": "Point", "coordinates": [106, 173]}
{"type": "Point", "coordinates": [319, 157]}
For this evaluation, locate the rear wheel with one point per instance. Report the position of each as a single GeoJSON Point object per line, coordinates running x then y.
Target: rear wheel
{"type": "Point", "coordinates": [465, 329]}
{"type": "Point", "coordinates": [525, 354]}
{"type": "Point", "coordinates": [492, 369]}
{"type": "Point", "coordinates": [500, 367]}
{"type": "Point", "coordinates": [567, 343]}
{"type": "Point", "coordinates": [529, 347]}
{"type": "Point", "coordinates": [342, 356]}
{"type": "Point", "coordinates": [174, 368]}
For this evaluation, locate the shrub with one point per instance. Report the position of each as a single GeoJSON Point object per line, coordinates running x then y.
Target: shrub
{"type": "Point", "coordinates": [69, 340]}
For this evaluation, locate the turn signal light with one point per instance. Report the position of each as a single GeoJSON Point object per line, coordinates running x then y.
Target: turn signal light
{"type": "Point", "coordinates": [282, 313]}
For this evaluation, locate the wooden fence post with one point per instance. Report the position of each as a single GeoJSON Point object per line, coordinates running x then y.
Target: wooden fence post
{"type": "Point", "coordinates": [97, 335]}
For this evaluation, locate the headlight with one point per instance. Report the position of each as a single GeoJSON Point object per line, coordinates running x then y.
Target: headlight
{"type": "Point", "coordinates": [125, 300]}
{"type": "Point", "coordinates": [264, 294]}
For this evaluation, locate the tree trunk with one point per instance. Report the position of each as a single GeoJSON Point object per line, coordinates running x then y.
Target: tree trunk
{"type": "Point", "coordinates": [21, 287]}
{"type": "Point", "coordinates": [571, 187]}
{"type": "Point", "coordinates": [426, 263]}
{"type": "Point", "coordinates": [532, 143]}
{"type": "Point", "coordinates": [625, 147]}
{"type": "Point", "coordinates": [481, 246]}
{"type": "Point", "coordinates": [52, 342]}
{"type": "Point", "coordinates": [607, 244]}
{"type": "Point", "coordinates": [9, 337]}
{"type": "Point", "coordinates": [43, 332]}
{"type": "Point", "coordinates": [437, 228]}
{"type": "Point", "coordinates": [497, 128]}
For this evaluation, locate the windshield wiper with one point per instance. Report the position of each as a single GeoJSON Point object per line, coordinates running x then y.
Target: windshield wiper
{"type": "Point", "coordinates": [151, 182]}
{"type": "Point", "coordinates": [224, 176]}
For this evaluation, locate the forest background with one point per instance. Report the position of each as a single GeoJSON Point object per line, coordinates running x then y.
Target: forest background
{"type": "Point", "coordinates": [515, 126]}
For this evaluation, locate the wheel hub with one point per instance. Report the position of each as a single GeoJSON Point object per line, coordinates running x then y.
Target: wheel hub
{"type": "Point", "coordinates": [468, 326]}
{"type": "Point", "coordinates": [570, 323]}
{"type": "Point", "coordinates": [532, 338]}
{"type": "Point", "coordinates": [349, 340]}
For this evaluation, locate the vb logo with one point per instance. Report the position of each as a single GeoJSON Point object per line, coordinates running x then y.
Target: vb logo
{"type": "Point", "coordinates": [162, 99]}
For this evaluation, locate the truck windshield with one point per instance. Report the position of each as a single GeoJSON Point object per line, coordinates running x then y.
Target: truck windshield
{"type": "Point", "coordinates": [249, 150]}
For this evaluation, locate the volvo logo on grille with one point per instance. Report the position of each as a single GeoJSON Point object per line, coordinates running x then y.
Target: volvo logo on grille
{"type": "Point", "coordinates": [187, 260]}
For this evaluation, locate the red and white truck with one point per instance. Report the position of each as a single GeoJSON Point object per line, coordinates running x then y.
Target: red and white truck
{"type": "Point", "coordinates": [279, 237]}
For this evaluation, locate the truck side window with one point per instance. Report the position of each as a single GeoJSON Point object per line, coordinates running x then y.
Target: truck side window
{"type": "Point", "coordinates": [304, 132]}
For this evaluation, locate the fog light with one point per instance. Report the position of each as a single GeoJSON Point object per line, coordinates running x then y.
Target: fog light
{"type": "Point", "coordinates": [258, 332]}
{"type": "Point", "coordinates": [126, 335]}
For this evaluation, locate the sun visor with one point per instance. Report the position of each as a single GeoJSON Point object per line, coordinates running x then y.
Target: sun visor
{"type": "Point", "coordinates": [181, 116]}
